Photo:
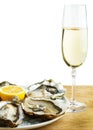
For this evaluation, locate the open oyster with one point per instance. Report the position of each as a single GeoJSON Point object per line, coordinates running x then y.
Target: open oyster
{"type": "Point", "coordinates": [43, 99]}
{"type": "Point", "coordinates": [11, 114]}
{"type": "Point", "coordinates": [46, 89]}
{"type": "Point", "coordinates": [41, 107]}
{"type": "Point", "coordinates": [5, 83]}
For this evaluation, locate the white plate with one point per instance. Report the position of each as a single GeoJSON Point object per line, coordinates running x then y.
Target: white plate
{"type": "Point", "coordinates": [36, 123]}
{"type": "Point", "coordinates": [32, 126]}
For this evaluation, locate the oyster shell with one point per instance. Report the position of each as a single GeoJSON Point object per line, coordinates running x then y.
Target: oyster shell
{"type": "Point", "coordinates": [5, 83]}
{"type": "Point", "coordinates": [41, 107]}
{"type": "Point", "coordinates": [11, 114]}
{"type": "Point", "coordinates": [44, 99]}
{"type": "Point", "coordinates": [46, 89]}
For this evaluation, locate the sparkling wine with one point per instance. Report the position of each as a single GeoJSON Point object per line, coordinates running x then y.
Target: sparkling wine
{"type": "Point", "coordinates": [74, 46]}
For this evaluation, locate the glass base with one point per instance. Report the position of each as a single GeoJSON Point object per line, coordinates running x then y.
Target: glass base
{"type": "Point", "coordinates": [76, 107]}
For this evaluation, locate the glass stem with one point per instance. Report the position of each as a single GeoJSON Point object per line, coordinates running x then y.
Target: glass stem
{"type": "Point", "coordinates": [73, 73]}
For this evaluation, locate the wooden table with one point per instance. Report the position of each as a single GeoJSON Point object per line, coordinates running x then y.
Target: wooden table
{"type": "Point", "coordinates": [76, 121]}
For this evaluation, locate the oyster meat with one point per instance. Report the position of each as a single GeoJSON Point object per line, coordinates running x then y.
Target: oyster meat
{"type": "Point", "coordinates": [11, 114]}
{"type": "Point", "coordinates": [46, 89]}
{"type": "Point", "coordinates": [5, 83]}
{"type": "Point", "coordinates": [44, 100]}
{"type": "Point", "coordinates": [41, 107]}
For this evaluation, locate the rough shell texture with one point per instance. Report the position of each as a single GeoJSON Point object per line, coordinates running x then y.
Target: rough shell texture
{"type": "Point", "coordinates": [5, 83]}
{"type": "Point", "coordinates": [11, 114]}
{"type": "Point", "coordinates": [41, 107]}
{"type": "Point", "coordinates": [44, 100]}
{"type": "Point", "coordinates": [46, 89]}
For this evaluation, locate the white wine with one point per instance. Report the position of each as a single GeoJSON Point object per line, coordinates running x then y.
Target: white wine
{"type": "Point", "coordinates": [74, 46]}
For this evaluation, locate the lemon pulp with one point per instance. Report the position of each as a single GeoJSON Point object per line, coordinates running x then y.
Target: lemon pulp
{"type": "Point", "coordinates": [11, 91]}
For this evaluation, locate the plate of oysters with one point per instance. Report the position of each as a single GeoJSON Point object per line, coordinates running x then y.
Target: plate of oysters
{"type": "Point", "coordinates": [44, 103]}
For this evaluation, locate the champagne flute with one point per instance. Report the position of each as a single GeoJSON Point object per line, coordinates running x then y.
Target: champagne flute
{"type": "Point", "coordinates": [74, 45]}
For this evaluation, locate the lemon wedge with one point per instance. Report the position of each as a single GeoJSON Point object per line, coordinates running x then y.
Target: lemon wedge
{"type": "Point", "coordinates": [11, 91]}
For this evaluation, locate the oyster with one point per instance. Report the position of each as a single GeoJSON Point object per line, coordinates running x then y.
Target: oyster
{"type": "Point", "coordinates": [44, 99]}
{"type": "Point", "coordinates": [46, 89]}
{"type": "Point", "coordinates": [5, 83]}
{"type": "Point", "coordinates": [11, 114]}
{"type": "Point", "coordinates": [41, 107]}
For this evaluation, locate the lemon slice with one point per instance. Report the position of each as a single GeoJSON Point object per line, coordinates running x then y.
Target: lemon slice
{"type": "Point", "coordinates": [11, 91]}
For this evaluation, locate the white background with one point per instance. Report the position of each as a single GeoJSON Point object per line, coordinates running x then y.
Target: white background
{"type": "Point", "coordinates": [30, 42]}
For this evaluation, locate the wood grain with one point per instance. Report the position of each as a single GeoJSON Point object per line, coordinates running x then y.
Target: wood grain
{"type": "Point", "coordinates": [76, 121]}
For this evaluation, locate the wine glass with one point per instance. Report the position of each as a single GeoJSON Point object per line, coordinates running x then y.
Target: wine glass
{"type": "Point", "coordinates": [74, 45]}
